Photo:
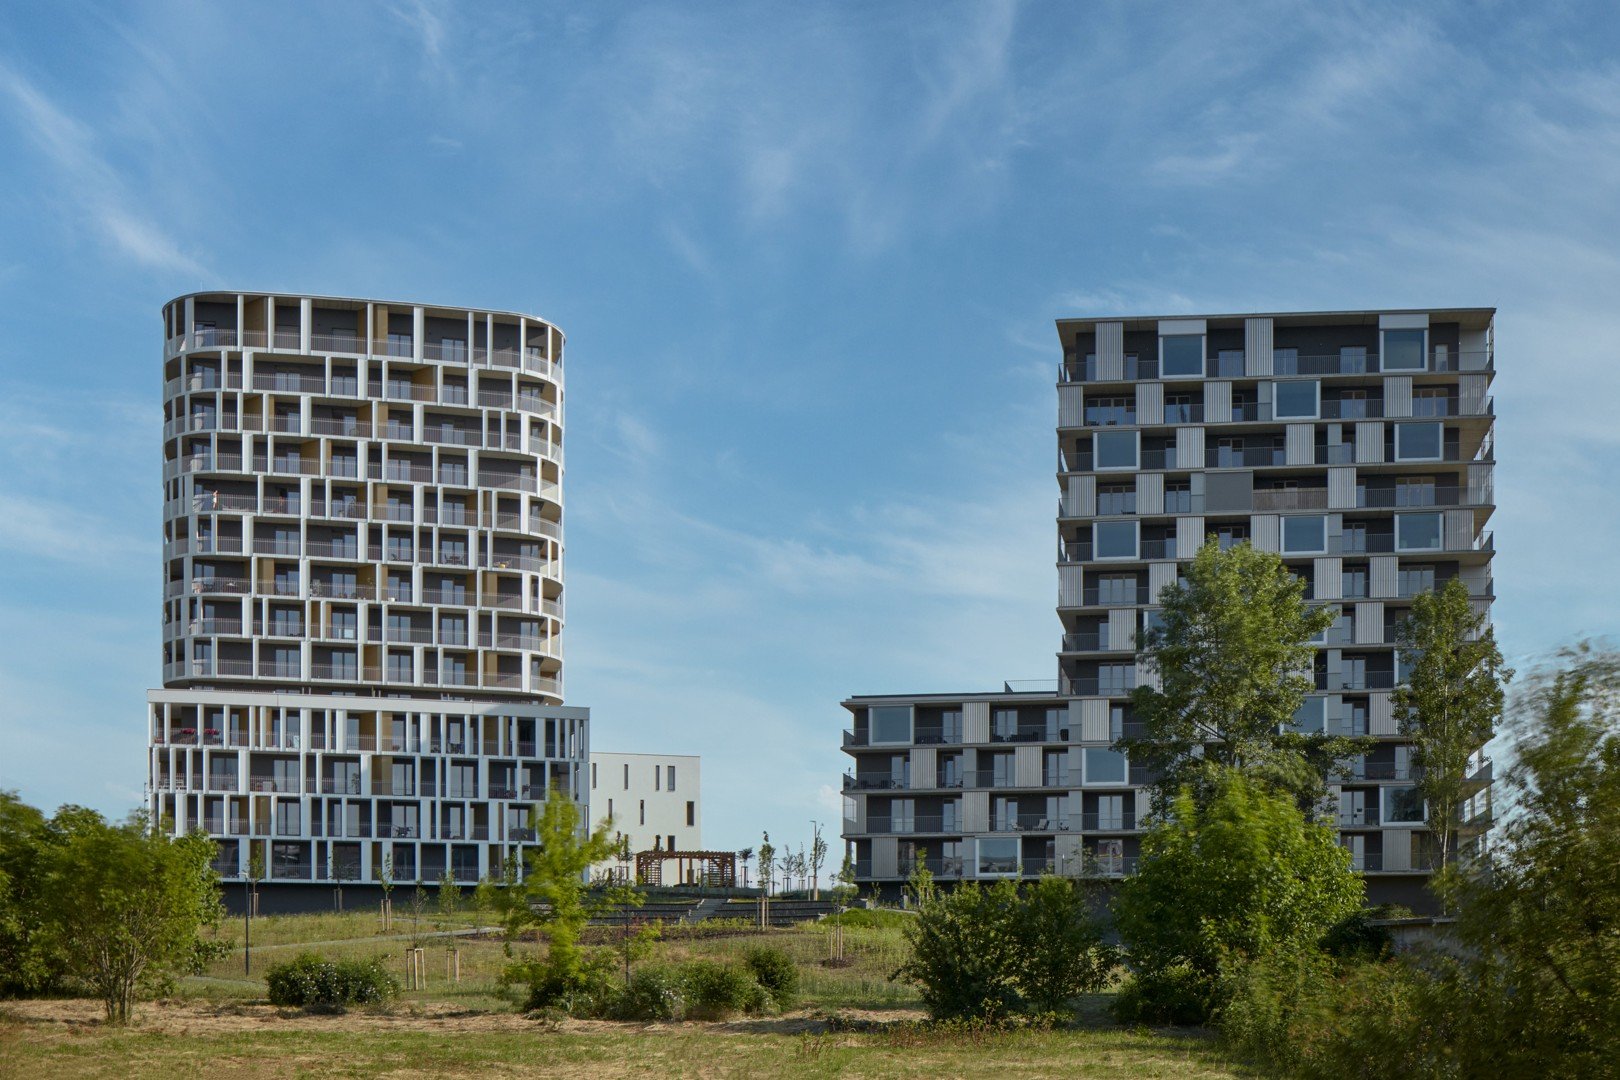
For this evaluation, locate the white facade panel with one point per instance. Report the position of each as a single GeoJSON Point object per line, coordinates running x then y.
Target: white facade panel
{"type": "Point", "coordinates": [1257, 348]}
{"type": "Point", "coordinates": [1189, 448]}
{"type": "Point", "coordinates": [1341, 488]}
{"type": "Point", "coordinates": [1217, 401]}
{"type": "Point", "coordinates": [1383, 576]}
{"type": "Point", "coordinates": [1299, 444]}
{"type": "Point", "coordinates": [1369, 442]}
{"type": "Point", "coordinates": [975, 722]}
{"type": "Point", "coordinates": [1327, 576]}
{"type": "Point", "coordinates": [1111, 350]}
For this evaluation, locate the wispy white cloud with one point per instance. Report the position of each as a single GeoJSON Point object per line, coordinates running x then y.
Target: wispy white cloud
{"type": "Point", "coordinates": [97, 192]}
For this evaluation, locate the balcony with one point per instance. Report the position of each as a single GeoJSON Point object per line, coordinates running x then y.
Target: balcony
{"type": "Point", "coordinates": [1084, 369]}
{"type": "Point", "coordinates": [874, 783]}
{"type": "Point", "coordinates": [1226, 457]}
{"type": "Point", "coordinates": [1037, 822]}
{"type": "Point", "coordinates": [1303, 498]}
{"type": "Point", "coordinates": [1124, 821]}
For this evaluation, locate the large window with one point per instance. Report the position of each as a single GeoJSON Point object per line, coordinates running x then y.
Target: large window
{"type": "Point", "coordinates": [1304, 535]}
{"type": "Point", "coordinates": [1417, 532]}
{"type": "Point", "coordinates": [998, 856]}
{"type": "Point", "coordinates": [1115, 539]}
{"type": "Point", "coordinates": [1403, 806]}
{"type": "Point", "coordinates": [1311, 717]}
{"type": "Point", "coordinates": [1116, 450]}
{"type": "Point", "coordinates": [1404, 350]}
{"type": "Point", "coordinates": [891, 723]}
{"type": "Point", "coordinates": [1104, 766]}
{"type": "Point", "coordinates": [1419, 442]}
{"type": "Point", "coordinates": [1298, 400]}
{"type": "Point", "coordinates": [1182, 356]}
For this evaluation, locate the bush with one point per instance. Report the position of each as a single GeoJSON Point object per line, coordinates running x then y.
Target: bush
{"type": "Point", "coordinates": [311, 980]}
{"type": "Point", "coordinates": [1176, 993]}
{"type": "Point", "coordinates": [654, 993]}
{"type": "Point", "coordinates": [1354, 937]}
{"type": "Point", "coordinates": [963, 957]}
{"type": "Point", "coordinates": [775, 972]}
{"type": "Point", "coordinates": [714, 990]}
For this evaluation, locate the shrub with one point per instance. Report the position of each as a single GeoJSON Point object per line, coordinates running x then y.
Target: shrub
{"type": "Point", "coordinates": [775, 972]}
{"type": "Point", "coordinates": [715, 990]}
{"type": "Point", "coordinates": [1060, 953]}
{"type": "Point", "coordinates": [1176, 993]}
{"type": "Point", "coordinates": [311, 980]}
{"type": "Point", "coordinates": [963, 956]}
{"type": "Point", "coordinates": [654, 993]}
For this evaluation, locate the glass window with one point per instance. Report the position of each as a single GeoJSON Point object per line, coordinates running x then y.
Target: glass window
{"type": "Point", "coordinates": [998, 855]}
{"type": "Point", "coordinates": [1311, 717]}
{"type": "Point", "coordinates": [1297, 399]}
{"type": "Point", "coordinates": [1403, 805]}
{"type": "Point", "coordinates": [1304, 534]}
{"type": "Point", "coordinates": [1115, 539]}
{"type": "Point", "coordinates": [1417, 532]}
{"type": "Point", "coordinates": [1116, 589]}
{"type": "Point", "coordinates": [1182, 355]}
{"type": "Point", "coordinates": [1104, 766]}
{"type": "Point", "coordinates": [1116, 499]}
{"type": "Point", "coordinates": [891, 724]}
{"type": "Point", "coordinates": [1418, 442]}
{"type": "Point", "coordinates": [1178, 498]}
{"type": "Point", "coordinates": [1404, 349]}
{"type": "Point", "coordinates": [1116, 449]}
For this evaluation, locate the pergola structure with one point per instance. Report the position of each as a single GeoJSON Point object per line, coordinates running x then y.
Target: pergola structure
{"type": "Point", "coordinates": [711, 869]}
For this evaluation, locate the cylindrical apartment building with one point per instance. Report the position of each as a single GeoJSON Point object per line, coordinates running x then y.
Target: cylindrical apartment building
{"type": "Point", "coordinates": [362, 589]}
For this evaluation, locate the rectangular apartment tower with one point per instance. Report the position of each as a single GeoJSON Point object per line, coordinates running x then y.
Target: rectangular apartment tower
{"type": "Point", "coordinates": [1357, 445]}
{"type": "Point", "coordinates": [362, 589]}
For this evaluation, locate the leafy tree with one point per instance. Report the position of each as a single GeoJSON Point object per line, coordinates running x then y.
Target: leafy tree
{"type": "Point", "coordinates": [131, 904]}
{"type": "Point", "coordinates": [1233, 880]}
{"type": "Point", "coordinates": [27, 963]}
{"type": "Point", "coordinates": [989, 950]}
{"type": "Point", "coordinates": [844, 887]}
{"type": "Point", "coordinates": [818, 858]}
{"type": "Point", "coordinates": [964, 957]}
{"type": "Point", "coordinates": [1451, 701]}
{"type": "Point", "coordinates": [448, 895]}
{"type": "Point", "coordinates": [743, 855]}
{"type": "Point", "coordinates": [1538, 993]}
{"type": "Point", "coordinates": [767, 863]}
{"type": "Point", "coordinates": [920, 890]}
{"type": "Point", "coordinates": [1234, 657]}
{"type": "Point", "coordinates": [1061, 954]}
{"type": "Point", "coordinates": [554, 900]}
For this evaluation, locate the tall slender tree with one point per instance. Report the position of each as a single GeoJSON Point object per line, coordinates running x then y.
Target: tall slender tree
{"type": "Point", "coordinates": [1450, 702]}
{"type": "Point", "coordinates": [1233, 659]}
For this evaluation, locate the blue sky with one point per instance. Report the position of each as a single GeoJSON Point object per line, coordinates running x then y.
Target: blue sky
{"type": "Point", "coordinates": [808, 259]}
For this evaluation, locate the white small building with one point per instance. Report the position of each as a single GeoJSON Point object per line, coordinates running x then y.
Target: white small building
{"type": "Point", "coordinates": [654, 800]}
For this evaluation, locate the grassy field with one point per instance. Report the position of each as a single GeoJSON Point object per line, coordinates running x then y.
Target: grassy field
{"type": "Point", "coordinates": [220, 1025]}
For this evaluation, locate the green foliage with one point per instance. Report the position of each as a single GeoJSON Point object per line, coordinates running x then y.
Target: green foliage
{"type": "Point", "coordinates": [767, 863]}
{"type": "Point", "coordinates": [963, 957]}
{"type": "Point", "coordinates": [28, 964]}
{"type": "Point", "coordinates": [989, 951]}
{"type": "Point", "coordinates": [655, 993]}
{"type": "Point", "coordinates": [448, 898]}
{"type": "Point", "coordinates": [1354, 937]}
{"type": "Point", "coordinates": [776, 972]}
{"type": "Point", "coordinates": [920, 889]}
{"type": "Point", "coordinates": [130, 904]}
{"type": "Point", "coordinates": [1234, 657]}
{"type": "Point", "coordinates": [553, 900]}
{"type": "Point", "coordinates": [714, 991]}
{"type": "Point", "coordinates": [1542, 929]}
{"type": "Point", "coordinates": [1451, 701]}
{"type": "Point", "coordinates": [1175, 993]}
{"type": "Point", "coordinates": [1233, 881]}
{"type": "Point", "coordinates": [883, 918]}
{"type": "Point", "coordinates": [1060, 946]}
{"type": "Point", "coordinates": [311, 980]}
